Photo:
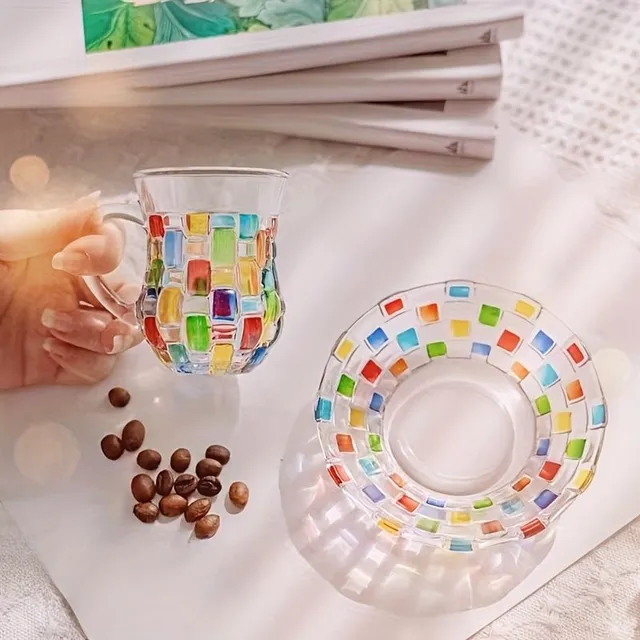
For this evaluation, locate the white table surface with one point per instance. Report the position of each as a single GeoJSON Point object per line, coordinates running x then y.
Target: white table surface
{"type": "Point", "coordinates": [102, 152]}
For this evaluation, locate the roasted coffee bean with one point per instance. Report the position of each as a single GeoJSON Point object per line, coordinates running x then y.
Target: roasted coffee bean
{"type": "Point", "coordinates": [143, 488]}
{"type": "Point", "coordinates": [146, 512]}
{"type": "Point", "coordinates": [197, 509]}
{"type": "Point", "coordinates": [185, 484]}
{"type": "Point", "coordinates": [119, 397]}
{"type": "Point", "coordinates": [112, 446]}
{"type": "Point", "coordinates": [180, 460]}
{"type": "Point", "coordinates": [209, 486]}
{"type": "Point", "coordinates": [133, 435]}
{"type": "Point", "coordinates": [239, 494]}
{"type": "Point", "coordinates": [149, 459]}
{"type": "Point", "coordinates": [208, 467]}
{"type": "Point", "coordinates": [207, 527]}
{"type": "Point", "coordinates": [164, 482]}
{"type": "Point", "coordinates": [219, 453]}
{"type": "Point", "coordinates": [173, 505]}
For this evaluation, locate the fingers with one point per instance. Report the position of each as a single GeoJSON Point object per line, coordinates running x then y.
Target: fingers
{"type": "Point", "coordinates": [24, 234]}
{"type": "Point", "coordinates": [94, 254]}
{"type": "Point", "coordinates": [78, 366]}
{"type": "Point", "coordinates": [92, 330]}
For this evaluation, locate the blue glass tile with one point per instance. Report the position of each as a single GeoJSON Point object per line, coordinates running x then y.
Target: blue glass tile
{"type": "Point", "coordinates": [150, 303]}
{"type": "Point", "coordinates": [460, 545]}
{"type": "Point", "coordinates": [545, 498]}
{"type": "Point", "coordinates": [436, 502]}
{"type": "Point", "coordinates": [377, 339]}
{"type": "Point", "coordinates": [251, 304]}
{"type": "Point", "coordinates": [512, 507]}
{"type": "Point", "coordinates": [178, 353]}
{"type": "Point", "coordinates": [376, 402]}
{"type": "Point", "coordinates": [173, 248]}
{"type": "Point", "coordinates": [480, 349]}
{"type": "Point", "coordinates": [373, 493]}
{"type": "Point", "coordinates": [543, 447]}
{"type": "Point", "coordinates": [249, 225]}
{"type": "Point", "coordinates": [547, 376]}
{"type": "Point", "coordinates": [459, 291]}
{"type": "Point", "coordinates": [323, 410]}
{"type": "Point", "coordinates": [222, 221]}
{"type": "Point", "coordinates": [256, 358]}
{"type": "Point", "coordinates": [598, 416]}
{"type": "Point", "coordinates": [369, 466]}
{"type": "Point", "coordinates": [408, 339]}
{"type": "Point", "coordinates": [542, 343]}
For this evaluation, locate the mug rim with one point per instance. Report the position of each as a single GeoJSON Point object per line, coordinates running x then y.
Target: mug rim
{"type": "Point", "coordinates": [209, 172]}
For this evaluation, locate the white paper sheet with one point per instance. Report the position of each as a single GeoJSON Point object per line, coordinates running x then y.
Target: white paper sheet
{"type": "Point", "coordinates": [390, 227]}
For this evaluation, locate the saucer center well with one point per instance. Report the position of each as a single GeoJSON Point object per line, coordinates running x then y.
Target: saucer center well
{"type": "Point", "coordinates": [460, 427]}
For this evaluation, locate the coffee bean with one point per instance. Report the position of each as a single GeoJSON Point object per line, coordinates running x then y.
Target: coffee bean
{"type": "Point", "coordinates": [208, 467]}
{"type": "Point", "coordinates": [209, 486]}
{"type": "Point", "coordinates": [119, 397]}
{"type": "Point", "coordinates": [207, 527]}
{"type": "Point", "coordinates": [133, 435]}
{"type": "Point", "coordinates": [164, 482]}
{"type": "Point", "coordinates": [197, 509]}
{"type": "Point", "coordinates": [219, 453]}
{"type": "Point", "coordinates": [143, 488]}
{"type": "Point", "coordinates": [180, 460]}
{"type": "Point", "coordinates": [239, 494]}
{"type": "Point", "coordinates": [173, 505]}
{"type": "Point", "coordinates": [112, 446]}
{"type": "Point", "coordinates": [149, 459]}
{"type": "Point", "coordinates": [185, 484]}
{"type": "Point", "coordinates": [146, 512]}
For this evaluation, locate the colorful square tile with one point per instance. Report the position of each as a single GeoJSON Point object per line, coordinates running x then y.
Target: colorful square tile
{"type": "Point", "coordinates": [408, 339]}
{"type": "Point", "coordinates": [371, 371]}
{"type": "Point", "coordinates": [561, 422]}
{"type": "Point", "coordinates": [508, 341]}
{"type": "Point", "coordinates": [394, 306]}
{"type": "Point", "coordinates": [398, 367]}
{"type": "Point", "coordinates": [543, 447]}
{"type": "Point", "coordinates": [344, 349]}
{"type": "Point", "coordinates": [377, 339]}
{"type": "Point", "coordinates": [547, 376]}
{"type": "Point", "coordinates": [598, 416]}
{"type": "Point", "coordinates": [480, 349]}
{"type": "Point", "coordinates": [428, 525]}
{"type": "Point", "coordinates": [324, 410]}
{"type": "Point", "coordinates": [198, 333]}
{"type": "Point", "coordinates": [532, 528]}
{"type": "Point", "coordinates": [357, 417]}
{"type": "Point", "coordinates": [408, 503]}
{"type": "Point", "coordinates": [575, 448]}
{"type": "Point", "coordinates": [390, 526]}
{"type": "Point", "coordinates": [397, 480]}
{"type": "Point", "coordinates": [460, 545]}
{"type": "Point", "coordinates": [460, 328]}
{"type": "Point", "coordinates": [223, 247]}
{"type": "Point", "coordinates": [345, 443]}
{"type": "Point", "coordinates": [178, 353]}
{"type": "Point", "coordinates": [375, 443]}
{"type": "Point", "coordinates": [543, 406]}
{"type": "Point", "coordinates": [483, 503]}
{"type": "Point", "coordinates": [224, 304]}
{"type": "Point", "coordinates": [346, 386]}
{"type": "Point", "coordinates": [577, 355]}
{"type": "Point", "coordinates": [436, 349]}
{"type": "Point", "coordinates": [459, 518]}
{"type": "Point", "coordinates": [248, 277]}
{"type": "Point", "coordinates": [521, 483]}
{"type": "Point", "coordinates": [519, 370]}
{"type": "Point", "coordinates": [373, 493]}
{"type": "Point", "coordinates": [251, 305]}
{"type": "Point", "coordinates": [197, 248]}
{"type": "Point", "coordinates": [198, 277]}
{"type": "Point", "coordinates": [249, 225]}
{"type": "Point", "coordinates": [574, 391]}
{"type": "Point", "coordinates": [545, 498]}
{"type": "Point", "coordinates": [150, 303]}
{"type": "Point", "coordinates": [512, 507]}
{"type": "Point", "coordinates": [429, 313]}
{"type": "Point", "coordinates": [524, 309]}
{"type": "Point", "coordinates": [154, 273]}
{"type": "Point", "coordinates": [222, 277]}
{"type": "Point", "coordinates": [376, 402]}
{"type": "Point", "coordinates": [247, 249]}
{"type": "Point", "coordinates": [582, 480]}
{"type": "Point", "coordinates": [261, 248]}
{"type": "Point", "coordinates": [156, 226]}
{"type": "Point", "coordinates": [542, 343]}
{"type": "Point", "coordinates": [338, 474]}
{"type": "Point", "coordinates": [223, 332]}
{"type": "Point", "coordinates": [223, 221]}
{"type": "Point", "coordinates": [491, 528]}
{"type": "Point", "coordinates": [489, 315]}
{"type": "Point", "coordinates": [173, 256]}
{"type": "Point", "coordinates": [169, 310]}
{"type": "Point", "coordinates": [251, 332]}
{"type": "Point", "coordinates": [369, 466]}
{"type": "Point", "coordinates": [436, 502]}
{"type": "Point", "coordinates": [221, 358]}
{"type": "Point", "coordinates": [549, 470]}
{"type": "Point", "coordinates": [197, 224]}
{"type": "Point", "coordinates": [459, 291]}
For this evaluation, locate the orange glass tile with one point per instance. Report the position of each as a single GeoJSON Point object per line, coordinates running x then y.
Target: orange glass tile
{"type": "Point", "coordinates": [574, 391]}
{"type": "Point", "coordinates": [508, 341]}
{"type": "Point", "coordinates": [408, 503]}
{"type": "Point", "coordinates": [491, 527]}
{"type": "Point", "coordinates": [345, 443]}
{"type": "Point", "coordinates": [397, 480]}
{"type": "Point", "coordinates": [549, 470]}
{"type": "Point", "coordinates": [393, 306]}
{"type": "Point", "coordinates": [521, 483]}
{"type": "Point", "coordinates": [519, 371]}
{"type": "Point", "coordinates": [429, 313]}
{"type": "Point", "coordinates": [338, 474]}
{"type": "Point", "coordinates": [398, 367]}
{"type": "Point", "coordinates": [261, 248]}
{"type": "Point", "coordinates": [532, 528]}
{"type": "Point", "coordinates": [371, 371]}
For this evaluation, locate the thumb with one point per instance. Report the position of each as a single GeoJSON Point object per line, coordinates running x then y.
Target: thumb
{"type": "Point", "coordinates": [24, 233]}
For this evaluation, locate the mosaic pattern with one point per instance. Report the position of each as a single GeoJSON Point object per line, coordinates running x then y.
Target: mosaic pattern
{"type": "Point", "coordinates": [503, 329]}
{"type": "Point", "coordinates": [211, 302]}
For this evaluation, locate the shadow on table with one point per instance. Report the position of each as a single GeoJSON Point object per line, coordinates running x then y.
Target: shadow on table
{"type": "Point", "coordinates": [369, 566]}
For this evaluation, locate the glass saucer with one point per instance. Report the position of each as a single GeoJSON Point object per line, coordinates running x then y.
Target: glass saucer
{"type": "Point", "coordinates": [461, 415]}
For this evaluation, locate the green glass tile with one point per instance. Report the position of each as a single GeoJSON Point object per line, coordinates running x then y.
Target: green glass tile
{"type": "Point", "coordinates": [489, 315]}
{"type": "Point", "coordinates": [198, 335]}
{"type": "Point", "coordinates": [375, 443]}
{"type": "Point", "coordinates": [436, 349]}
{"type": "Point", "coordinates": [543, 405]}
{"type": "Point", "coordinates": [154, 273]}
{"type": "Point", "coordinates": [483, 503]}
{"type": "Point", "coordinates": [223, 247]}
{"type": "Point", "coordinates": [575, 448]}
{"type": "Point", "coordinates": [178, 353]}
{"type": "Point", "coordinates": [428, 525]}
{"type": "Point", "coordinates": [272, 307]}
{"type": "Point", "coordinates": [346, 386]}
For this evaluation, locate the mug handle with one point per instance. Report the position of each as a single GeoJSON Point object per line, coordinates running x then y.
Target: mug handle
{"type": "Point", "coordinates": [96, 284]}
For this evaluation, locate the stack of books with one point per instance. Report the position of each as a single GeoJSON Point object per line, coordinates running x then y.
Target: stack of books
{"type": "Point", "coordinates": [422, 75]}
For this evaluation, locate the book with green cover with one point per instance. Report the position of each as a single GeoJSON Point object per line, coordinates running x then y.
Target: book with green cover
{"type": "Point", "coordinates": [122, 24]}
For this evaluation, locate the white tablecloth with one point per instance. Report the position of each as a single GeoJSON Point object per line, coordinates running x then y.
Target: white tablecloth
{"type": "Point", "coordinates": [573, 83]}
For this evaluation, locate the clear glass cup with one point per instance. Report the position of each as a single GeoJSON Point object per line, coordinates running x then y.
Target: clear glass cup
{"type": "Point", "coordinates": [210, 302]}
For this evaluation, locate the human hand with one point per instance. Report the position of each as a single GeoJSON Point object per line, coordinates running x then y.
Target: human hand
{"type": "Point", "coordinates": [52, 328]}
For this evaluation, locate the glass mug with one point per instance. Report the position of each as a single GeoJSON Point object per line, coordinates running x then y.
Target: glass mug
{"type": "Point", "coordinates": [210, 302]}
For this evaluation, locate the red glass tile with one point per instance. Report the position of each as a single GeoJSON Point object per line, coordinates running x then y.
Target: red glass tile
{"type": "Point", "coordinates": [408, 503]}
{"type": "Point", "coordinates": [152, 334]}
{"type": "Point", "coordinates": [532, 528]}
{"type": "Point", "coordinates": [491, 527]}
{"type": "Point", "coordinates": [198, 277]}
{"type": "Point", "coordinates": [576, 353]}
{"type": "Point", "coordinates": [549, 470]}
{"type": "Point", "coordinates": [251, 332]}
{"type": "Point", "coordinates": [338, 474]}
{"type": "Point", "coordinates": [371, 371]}
{"type": "Point", "coordinates": [508, 341]}
{"type": "Point", "coordinates": [393, 306]}
{"type": "Point", "coordinates": [156, 226]}
{"type": "Point", "coordinates": [223, 332]}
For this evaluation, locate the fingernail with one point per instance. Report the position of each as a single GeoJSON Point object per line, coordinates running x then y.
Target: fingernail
{"type": "Point", "coordinates": [70, 261]}
{"type": "Point", "coordinates": [55, 347]}
{"type": "Point", "coordinates": [57, 320]}
{"type": "Point", "coordinates": [121, 343]}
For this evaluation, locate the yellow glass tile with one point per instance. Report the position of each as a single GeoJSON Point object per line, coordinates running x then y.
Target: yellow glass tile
{"type": "Point", "coordinates": [524, 308]}
{"type": "Point", "coordinates": [344, 349]}
{"type": "Point", "coordinates": [248, 277]}
{"type": "Point", "coordinates": [389, 526]}
{"type": "Point", "coordinates": [197, 224]}
{"type": "Point", "coordinates": [562, 422]}
{"type": "Point", "coordinates": [357, 417]}
{"type": "Point", "coordinates": [460, 517]}
{"type": "Point", "coordinates": [221, 357]}
{"type": "Point", "coordinates": [582, 480]}
{"type": "Point", "coordinates": [460, 328]}
{"type": "Point", "coordinates": [222, 278]}
{"type": "Point", "coordinates": [169, 306]}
